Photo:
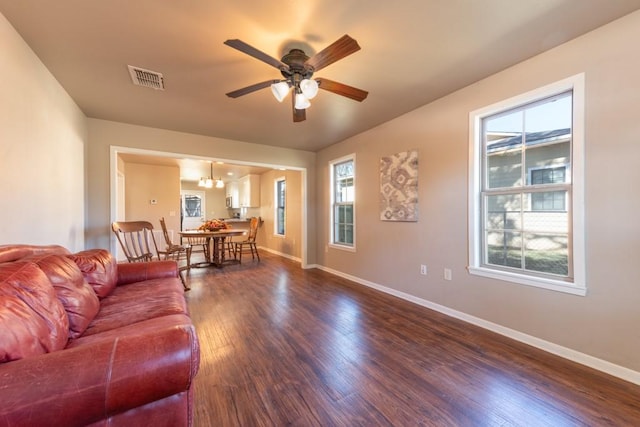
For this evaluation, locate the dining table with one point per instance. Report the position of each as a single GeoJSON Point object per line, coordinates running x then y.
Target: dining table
{"type": "Point", "coordinates": [217, 244]}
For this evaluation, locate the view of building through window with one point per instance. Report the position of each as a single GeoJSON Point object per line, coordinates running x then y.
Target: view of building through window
{"type": "Point", "coordinates": [281, 189]}
{"type": "Point", "coordinates": [526, 185]}
{"type": "Point", "coordinates": [343, 202]}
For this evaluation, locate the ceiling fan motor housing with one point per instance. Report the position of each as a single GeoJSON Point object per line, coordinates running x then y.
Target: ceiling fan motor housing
{"type": "Point", "coordinates": [298, 69]}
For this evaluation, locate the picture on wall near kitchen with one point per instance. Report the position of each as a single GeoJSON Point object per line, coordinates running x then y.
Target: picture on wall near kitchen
{"type": "Point", "coordinates": [399, 187]}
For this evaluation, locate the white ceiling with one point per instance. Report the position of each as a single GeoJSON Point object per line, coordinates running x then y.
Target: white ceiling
{"type": "Point", "coordinates": [413, 52]}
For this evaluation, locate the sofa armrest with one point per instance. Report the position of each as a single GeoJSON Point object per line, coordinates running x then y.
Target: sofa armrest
{"type": "Point", "coordinates": [139, 271]}
{"type": "Point", "coordinates": [92, 382]}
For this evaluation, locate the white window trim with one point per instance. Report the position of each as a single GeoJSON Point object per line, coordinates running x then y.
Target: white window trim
{"type": "Point", "coordinates": [275, 207]}
{"type": "Point", "coordinates": [575, 83]}
{"type": "Point", "coordinates": [332, 244]}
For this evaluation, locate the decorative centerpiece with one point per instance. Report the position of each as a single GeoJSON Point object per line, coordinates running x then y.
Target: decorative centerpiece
{"type": "Point", "coordinates": [214, 225]}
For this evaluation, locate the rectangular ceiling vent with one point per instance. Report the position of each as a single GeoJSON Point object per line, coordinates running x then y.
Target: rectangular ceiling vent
{"type": "Point", "coordinates": [146, 78]}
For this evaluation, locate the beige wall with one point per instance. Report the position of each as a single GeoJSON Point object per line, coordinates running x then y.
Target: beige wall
{"type": "Point", "coordinates": [290, 244]}
{"type": "Point", "coordinates": [105, 134]}
{"type": "Point", "coordinates": [144, 183]}
{"type": "Point", "coordinates": [604, 324]}
{"type": "Point", "coordinates": [42, 139]}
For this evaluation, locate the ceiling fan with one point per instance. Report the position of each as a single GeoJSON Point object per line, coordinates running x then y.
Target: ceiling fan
{"type": "Point", "coordinates": [297, 69]}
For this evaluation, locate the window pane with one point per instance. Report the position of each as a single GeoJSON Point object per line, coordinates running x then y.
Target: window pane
{"type": "Point", "coordinates": [547, 220]}
{"type": "Point", "coordinates": [192, 206]}
{"type": "Point", "coordinates": [503, 148]}
{"type": "Point", "coordinates": [280, 220]}
{"type": "Point", "coordinates": [504, 169]}
{"type": "Point", "coordinates": [548, 201]}
{"type": "Point", "coordinates": [344, 233]}
{"type": "Point", "coordinates": [504, 248]}
{"type": "Point", "coordinates": [548, 253]}
{"type": "Point", "coordinates": [344, 190]}
{"type": "Point", "coordinates": [344, 169]}
{"type": "Point", "coordinates": [503, 212]}
{"type": "Point", "coordinates": [549, 114]}
{"type": "Point", "coordinates": [344, 224]}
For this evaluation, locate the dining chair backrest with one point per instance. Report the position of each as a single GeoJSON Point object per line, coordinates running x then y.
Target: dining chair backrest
{"type": "Point", "coordinates": [253, 229]}
{"type": "Point", "coordinates": [136, 239]}
{"type": "Point", "coordinates": [165, 233]}
{"type": "Point", "coordinates": [249, 244]}
{"type": "Point", "coordinates": [197, 244]}
{"type": "Point", "coordinates": [196, 240]}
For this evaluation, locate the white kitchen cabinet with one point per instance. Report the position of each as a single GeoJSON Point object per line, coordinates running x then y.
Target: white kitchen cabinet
{"type": "Point", "coordinates": [249, 191]}
{"type": "Point", "coordinates": [233, 195]}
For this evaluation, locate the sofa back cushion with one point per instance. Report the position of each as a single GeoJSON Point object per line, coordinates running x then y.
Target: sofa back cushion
{"type": "Point", "coordinates": [32, 319]}
{"type": "Point", "coordinates": [77, 297]}
{"type": "Point", "coordinates": [14, 252]}
{"type": "Point", "coordinates": [99, 268]}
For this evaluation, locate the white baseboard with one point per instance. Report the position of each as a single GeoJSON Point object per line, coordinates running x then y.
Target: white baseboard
{"type": "Point", "coordinates": [291, 257]}
{"type": "Point", "coordinates": [567, 353]}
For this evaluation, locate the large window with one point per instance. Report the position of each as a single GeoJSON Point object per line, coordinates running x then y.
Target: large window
{"type": "Point", "coordinates": [343, 202]}
{"type": "Point", "coordinates": [526, 190]}
{"type": "Point", "coordinates": [280, 198]}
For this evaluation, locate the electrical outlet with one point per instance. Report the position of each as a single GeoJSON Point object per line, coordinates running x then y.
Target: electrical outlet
{"type": "Point", "coordinates": [423, 269]}
{"type": "Point", "coordinates": [447, 274]}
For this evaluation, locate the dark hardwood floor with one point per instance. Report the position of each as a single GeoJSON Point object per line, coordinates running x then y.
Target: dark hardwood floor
{"type": "Point", "coordinates": [285, 346]}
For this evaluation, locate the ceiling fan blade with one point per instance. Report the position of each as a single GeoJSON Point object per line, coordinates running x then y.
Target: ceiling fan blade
{"type": "Point", "coordinates": [258, 54]}
{"type": "Point", "coordinates": [252, 88]}
{"type": "Point", "coordinates": [298, 115]}
{"type": "Point", "coordinates": [342, 89]}
{"type": "Point", "coordinates": [342, 47]}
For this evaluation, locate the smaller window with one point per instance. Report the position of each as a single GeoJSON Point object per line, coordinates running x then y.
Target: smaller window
{"type": "Point", "coordinates": [343, 202]}
{"type": "Point", "coordinates": [280, 204]}
{"type": "Point", "coordinates": [548, 200]}
{"type": "Point", "coordinates": [192, 206]}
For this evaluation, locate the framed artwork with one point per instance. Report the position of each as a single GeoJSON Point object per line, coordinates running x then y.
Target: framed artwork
{"type": "Point", "coordinates": [399, 187]}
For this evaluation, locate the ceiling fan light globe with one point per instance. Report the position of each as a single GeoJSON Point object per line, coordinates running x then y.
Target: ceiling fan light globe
{"type": "Point", "coordinates": [309, 88]}
{"type": "Point", "coordinates": [302, 102]}
{"type": "Point", "coordinates": [280, 90]}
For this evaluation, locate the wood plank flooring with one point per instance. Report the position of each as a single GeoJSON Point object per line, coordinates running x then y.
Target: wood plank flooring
{"type": "Point", "coordinates": [285, 346]}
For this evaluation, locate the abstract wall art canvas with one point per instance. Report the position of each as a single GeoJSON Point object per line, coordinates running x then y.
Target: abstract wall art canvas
{"type": "Point", "coordinates": [399, 187]}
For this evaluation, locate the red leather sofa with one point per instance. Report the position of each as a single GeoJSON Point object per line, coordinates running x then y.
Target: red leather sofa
{"type": "Point", "coordinates": [87, 341]}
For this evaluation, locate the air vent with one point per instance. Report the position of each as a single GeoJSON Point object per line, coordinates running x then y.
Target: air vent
{"type": "Point", "coordinates": [146, 78]}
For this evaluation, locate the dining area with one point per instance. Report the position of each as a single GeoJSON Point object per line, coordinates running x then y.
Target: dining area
{"type": "Point", "coordinates": [216, 240]}
{"type": "Point", "coordinates": [216, 246]}
{"type": "Point", "coordinates": [219, 243]}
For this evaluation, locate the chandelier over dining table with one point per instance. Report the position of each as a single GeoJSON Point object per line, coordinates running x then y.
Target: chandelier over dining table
{"type": "Point", "coordinates": [209, 181]}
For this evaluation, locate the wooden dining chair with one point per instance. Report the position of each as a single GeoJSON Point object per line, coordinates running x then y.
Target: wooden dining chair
{"type": "Point", "coordinates": [197, 244]}
{"type": "Point", "coordinates": [138, 242]}
{"type": "Point", "coordinates": [172, 250]}
{"type": "Point", "coordinates": [249, 244]}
